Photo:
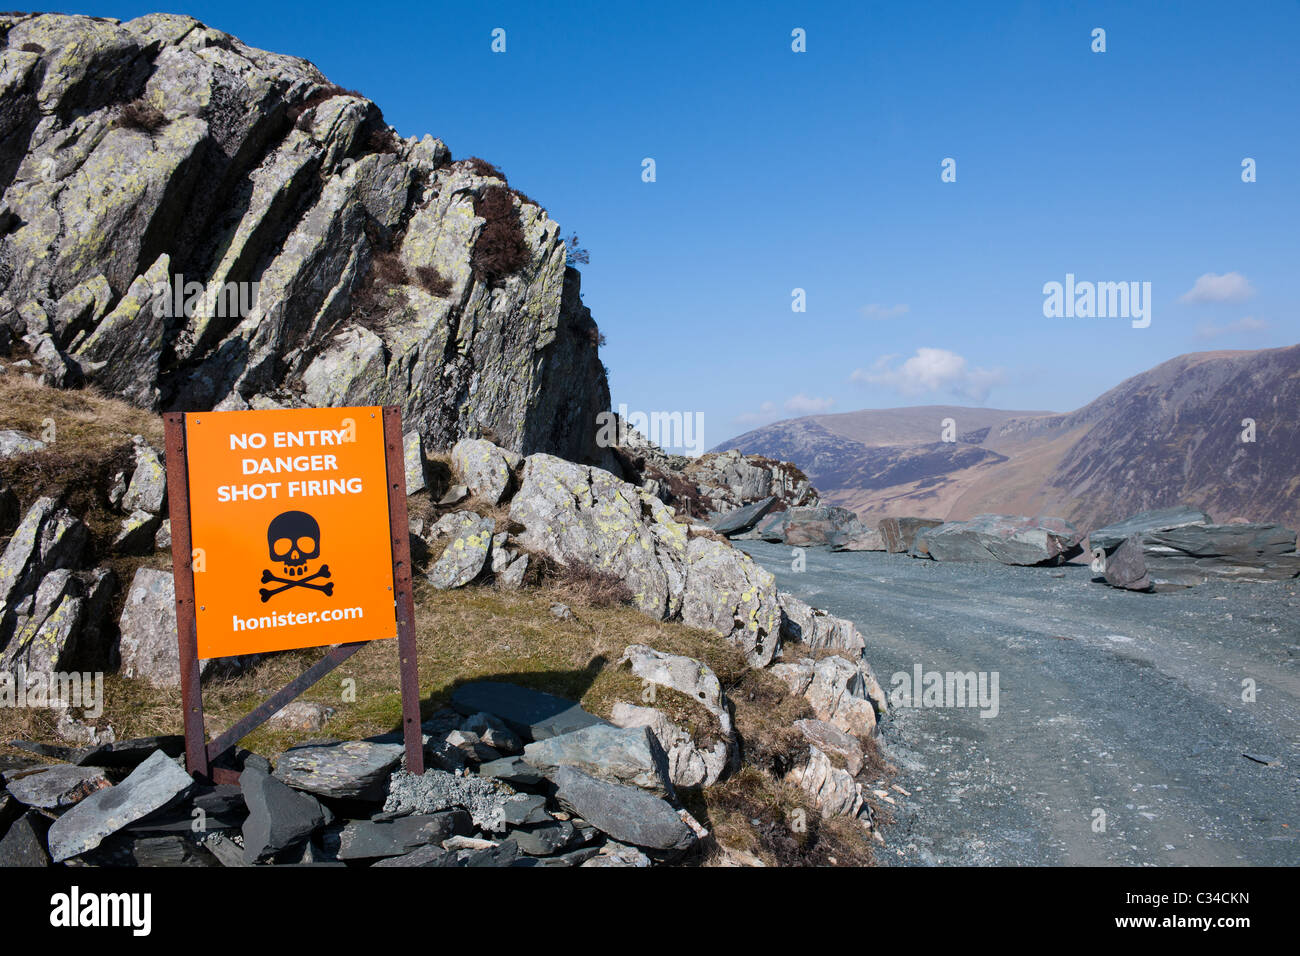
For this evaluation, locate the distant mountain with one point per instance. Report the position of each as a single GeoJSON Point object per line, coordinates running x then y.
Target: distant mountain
{"type": "Point", "coordinates": [1169, 435]}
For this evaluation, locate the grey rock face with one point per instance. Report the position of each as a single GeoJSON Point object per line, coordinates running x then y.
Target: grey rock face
{"type": "Point", "coordinates": [1009, 539]}
{"type": "Point", "coordinates": [413, 459]}
{"type": "Point", "coordinates": [351, 769]}
{"type": "Point", "coordinates": [149, 787]}
{"type": "Point", "coordinates": [1125, 567]}
{"type": "Point", "coordinates": [831, 739]}
{"type": "Point", "coordinates": [628, 814]}
{"type": "Point", "coordinates": [148, 486]}
{"type": "Point", "coordinates": [61, 630]}
{"type": "Point", "coordinates": [818, 630]}
{"type": "Point", "coordinates": [148, 644]}
{"type": "Point", "coordinates": [484, 468]}
{"type": "Point", "coordinates": [49, 538]}
{"type": "Point", "coordinates": [832, 790]}
{"type": "Point", "coordinates": [630, 755]}
{"type": "Point", "coordinates": [1162, 519]}
{"type": "Point", "coordinates": [263, 172]}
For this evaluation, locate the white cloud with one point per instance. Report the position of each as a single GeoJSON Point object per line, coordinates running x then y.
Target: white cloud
{"type": "Point", "coordinates": [1229, 287]}
{"type": "Point", "coordinates": [766, 413]}
{"type": "Point", "coordinates": [932, 370]}
{"type": "Point", "coordinates": [802, 404]}
{"type": "Point", "coordinates": [1243, 326]}
{"type": "Point", "coordinates": [878, 311]}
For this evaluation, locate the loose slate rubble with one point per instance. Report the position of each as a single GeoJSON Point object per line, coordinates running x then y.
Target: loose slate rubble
{"type": "Point", "coordinates": [58, 787]}
{"type": "Point", "coordinates": [350, 769]}
{"type": "Point", "coordinates": [367, 839]}
{"type": "Point", "coordinates": [151, 786]}
{"type": "Point", "coordinates": [629, 755]}
{"type": "Point", "coordinates": [532, 714]}
{"type": "Point", "coordinates": [279, 818]}
{"type": "Point", "coordinates": [24, 843]}
{"type": "Point", "coordinates": [628, 814]}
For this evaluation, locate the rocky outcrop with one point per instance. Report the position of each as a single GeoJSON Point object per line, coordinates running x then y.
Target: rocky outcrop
{"type": "Point", "coordinates": [194, 223]}
{"type": "Point", "coordinates": [1008, 539]}
{"type": "Point", "coordinates": [585, 517]}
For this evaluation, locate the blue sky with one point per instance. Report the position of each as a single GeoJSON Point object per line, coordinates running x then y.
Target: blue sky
{"type": "Point", "coordinates": [820, 170]}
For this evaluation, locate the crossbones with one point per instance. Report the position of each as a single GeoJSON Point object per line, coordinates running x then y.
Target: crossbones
{"type": "Point", "coordinates": [268, 577]}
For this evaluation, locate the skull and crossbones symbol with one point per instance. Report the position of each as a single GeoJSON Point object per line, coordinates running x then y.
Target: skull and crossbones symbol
{"type": "Point", "coordinates": [293, 540]}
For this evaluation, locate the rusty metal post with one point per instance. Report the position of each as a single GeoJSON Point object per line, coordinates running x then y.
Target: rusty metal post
{"type": "Point", "coordinates": [178, 498]}
{"type": "Point", "coordinates": [404, 599]}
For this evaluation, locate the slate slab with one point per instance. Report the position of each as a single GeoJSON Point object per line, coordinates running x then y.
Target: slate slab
{"type": "Point", "coordinates": [368, 840]}
{"type": "Point", "coordinates": [278, 817]}
{"type": "Point", "coordinates": [58, 787]}
{"type": "Point", "coordinates": [349, 769]}
{"type": "Point", "coordinates": [24, 844]}
{"type": "Point", "coordinates": [1160, 519]}
{"type": "Point", "coordinates": [629, 755]}
{"type": "Point", "coordinates": [149, 787]}
{"type": "Point", "coordinates": [628, 814]}
{"type": "Point", "coordinates": [742, 519]}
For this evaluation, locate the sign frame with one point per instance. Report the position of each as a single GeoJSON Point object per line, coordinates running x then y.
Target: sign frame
{"type": "Point", "coordinates": [204, 759]}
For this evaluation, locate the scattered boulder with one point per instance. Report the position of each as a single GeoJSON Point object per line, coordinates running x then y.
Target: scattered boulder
{"type": "Point", "coordinates": [302, 716]}
{"type": "Point", "coordinates": [16, 443]}
{"type": "Point", "coordinates": [148, 645]}
{"type": "Point", "coordinates": [628, 814]}
{"type": "Point", "coordinates": [742, 519]}
{"type": "Point", "coordinates": [1193, 554]}
{"type": "Point", "coordinates": [1009, 539]}
{"type": "Point", "coordinates": [149, 787]}
{"type": "Point", "coordinates": [465, 557]}
{"type": "Point", "coordinates": [860, 538]}
{"type": "Point", "coordinates": [812, 527]}
{"type": "Point", "coordinates": [1125, 567]}
{"type": "Point", "coordinates": [532, 714]}
{"type": "Point", "coordinates": [350, 769]}
{"type": "Point", "coordinates": [630, 755]}
{"type": "Point", "coordinates": [484, 468]}
{"type": "Point", "coordinates": [899, 534]}
{"type": "Point", "coordinates": [1162, 519]}
{"type": "Point", "coordinates": [770, 527]}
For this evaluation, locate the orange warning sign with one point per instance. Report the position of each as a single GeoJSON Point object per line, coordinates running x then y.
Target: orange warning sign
{"type": "Point", "coordinates": [290, 524]}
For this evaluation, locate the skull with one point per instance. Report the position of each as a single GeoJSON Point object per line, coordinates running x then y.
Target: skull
{"type": "Point", "coordinates": [293, 539]}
